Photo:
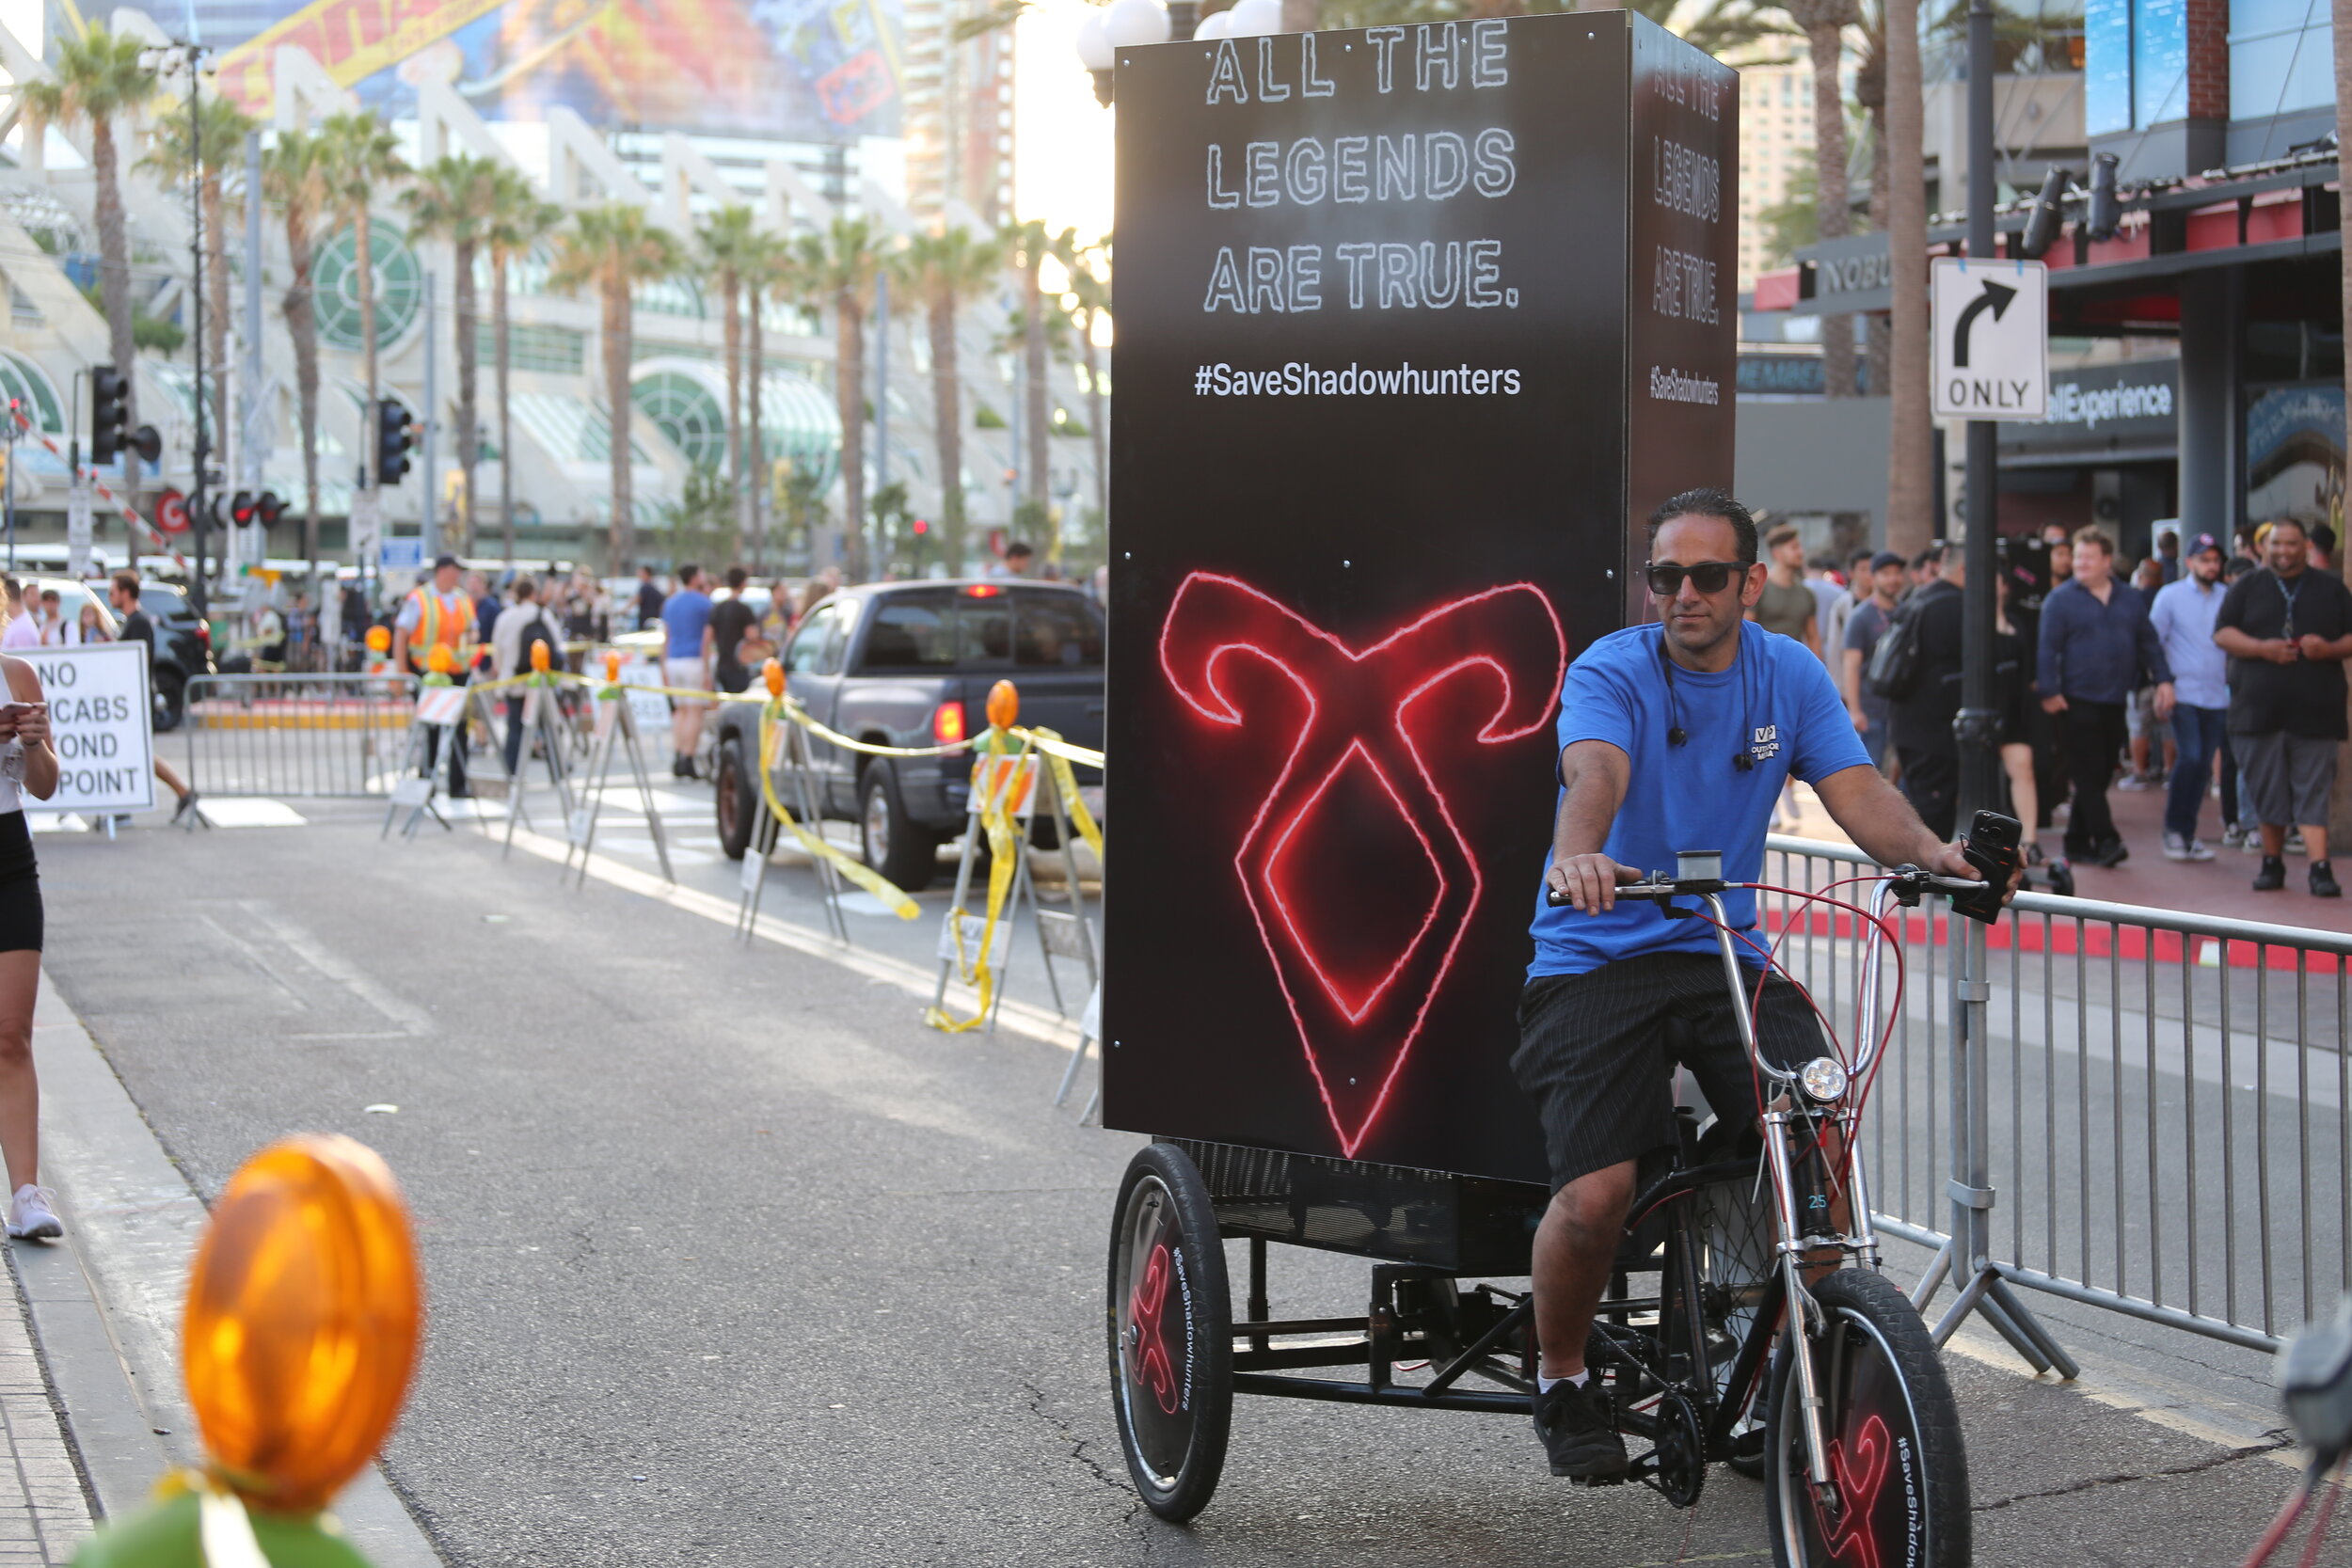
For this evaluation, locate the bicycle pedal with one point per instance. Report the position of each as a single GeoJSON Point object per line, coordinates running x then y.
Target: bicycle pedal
{"type": "Point", "coordinates": [1617, 1478]}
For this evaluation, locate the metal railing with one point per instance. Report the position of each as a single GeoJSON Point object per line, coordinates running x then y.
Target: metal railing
{"type": "Point", "coordinates": [2170, 1105]}
{"type": "Point", "coordinates": [298, 735]}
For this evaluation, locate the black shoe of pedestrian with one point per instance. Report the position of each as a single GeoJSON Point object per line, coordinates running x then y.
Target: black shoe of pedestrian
{"type": "Point", "coordinates": [2112, 854]}
{"type": "Point", "coordinates": [2273, 876]}
{"type": "Point", "coordinates": [1579, 1441]}
{"type": "Point", "coordinates": [2324, 880]}
{"type": "Point", "coordinates": [2062, 878]}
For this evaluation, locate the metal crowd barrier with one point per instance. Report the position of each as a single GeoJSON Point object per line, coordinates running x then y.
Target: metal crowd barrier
{"type": "Point", "coordinates": [298, 735]}
{"type": "Point", "coordinates": [2169, 1102]}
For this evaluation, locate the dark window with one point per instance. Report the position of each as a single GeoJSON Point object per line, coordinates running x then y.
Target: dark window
{"type": "Point", "coordinates": [912, 631]}
{"type": "Point", "coordinates": [1057, 631]}
{"type": "Point", "coordinates": [987, 630]}
{"type": "Point", "coordinates": [806, 654]}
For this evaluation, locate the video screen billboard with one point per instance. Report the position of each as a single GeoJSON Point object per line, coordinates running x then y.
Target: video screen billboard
{"type": "Point", "coordinates": [1416, 323]}
{"type": "Point", "coordinates": [790, 70]}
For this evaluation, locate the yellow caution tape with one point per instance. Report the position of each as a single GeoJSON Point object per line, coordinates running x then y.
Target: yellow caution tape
{"type": "Point", "coordinates": [798, 715]}
{"type": "Point", "coordinates": [1055, 745]}
{"type": "Point", "coordinates": [849, 866]}
{"type": "Point", "coordinates": [1067, 783]}
{"type": "Point", "coordinates": [1002, 845]}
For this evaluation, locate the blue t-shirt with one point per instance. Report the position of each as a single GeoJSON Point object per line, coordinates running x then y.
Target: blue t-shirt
{"type": "Point", "coordinates": [1775, 704]}
{"type": "Point", "coordinates": [686, 613]}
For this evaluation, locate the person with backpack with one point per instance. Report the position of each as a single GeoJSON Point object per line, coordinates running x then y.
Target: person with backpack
{"type": "Point", "coordinates": [1863, 625]}
{"type": "Point", "coordinates": [1916, 664]}
{"type": "Point", "coordinates": [527, 623]}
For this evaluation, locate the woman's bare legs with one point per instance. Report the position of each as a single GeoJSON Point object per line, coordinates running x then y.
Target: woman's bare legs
{"type": "Point", "coordinates": [20, 1091]}
{"type": "Point", "coordinates": [2017, 760]}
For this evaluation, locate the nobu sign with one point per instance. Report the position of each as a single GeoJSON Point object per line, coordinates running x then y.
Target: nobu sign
{"type": "Point", "coordinates": [1992, 334]}
{"type": "Point", "coordinates": [1417, 323]}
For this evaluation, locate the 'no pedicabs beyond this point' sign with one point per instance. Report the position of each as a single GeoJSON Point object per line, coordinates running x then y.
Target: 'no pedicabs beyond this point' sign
{"type": "Point", "coordinates": [101, 721]}
{"type": "Point", "coordinates": [1991, 335]}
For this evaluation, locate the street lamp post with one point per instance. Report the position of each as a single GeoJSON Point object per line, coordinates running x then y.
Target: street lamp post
{"type": "Point", "coordinates": [1133, 24]}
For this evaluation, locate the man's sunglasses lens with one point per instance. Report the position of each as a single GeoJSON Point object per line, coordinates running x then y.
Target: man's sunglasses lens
{"type": "Point", "coordinates": [1709, 577]}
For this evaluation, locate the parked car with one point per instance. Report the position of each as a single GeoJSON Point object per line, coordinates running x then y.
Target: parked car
{"type": "Point", "coordinates": [184, 649]}
{"type": "Point", "coordinates": [910, 664]}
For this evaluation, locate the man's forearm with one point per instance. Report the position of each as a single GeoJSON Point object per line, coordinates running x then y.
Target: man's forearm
{"type": "Point", "coordinates": [1588, 805]}
{"type": "Point", "coordinates": [1877, 818]}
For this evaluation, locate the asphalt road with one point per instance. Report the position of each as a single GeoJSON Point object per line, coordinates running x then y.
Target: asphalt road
{"type": "Point", "coordinates": [732, 1260]}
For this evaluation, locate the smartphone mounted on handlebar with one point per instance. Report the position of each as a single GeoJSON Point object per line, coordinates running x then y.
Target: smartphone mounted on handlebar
{"type": "Point", "coordinates": [1990, 851]}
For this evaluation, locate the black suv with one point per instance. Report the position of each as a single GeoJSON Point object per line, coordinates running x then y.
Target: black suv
{"type": "Point", "coordinates": [910, 664]}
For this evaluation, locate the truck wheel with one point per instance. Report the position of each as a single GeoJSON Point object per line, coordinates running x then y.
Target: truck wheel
{"type": "Point", "coordinates": [904, 851]}
{"type": "Point", "coordinates": [737, 799]}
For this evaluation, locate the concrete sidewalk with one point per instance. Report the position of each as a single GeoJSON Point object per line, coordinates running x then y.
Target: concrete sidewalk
{"type": "Point", "coordinates": [92, 1410]}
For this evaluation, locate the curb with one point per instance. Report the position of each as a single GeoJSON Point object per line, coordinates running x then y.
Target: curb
{"type": "Point", "coordinates": [105, 1304]}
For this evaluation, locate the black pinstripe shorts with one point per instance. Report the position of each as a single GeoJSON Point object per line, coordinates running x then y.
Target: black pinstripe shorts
{"type": "Point", "coordinates": [1598, 1052]}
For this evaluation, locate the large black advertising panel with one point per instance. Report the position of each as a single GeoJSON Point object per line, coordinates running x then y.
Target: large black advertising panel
{"type": "Point", "coordinates": [1416, 323]}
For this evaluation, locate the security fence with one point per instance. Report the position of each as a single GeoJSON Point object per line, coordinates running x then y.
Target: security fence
{"type": "Point", "coordinates": [298, 735]}
{"type": "Point", "coordinates": [2168, 1105]}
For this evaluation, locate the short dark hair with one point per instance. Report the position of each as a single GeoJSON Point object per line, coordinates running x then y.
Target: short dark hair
{"type": "Point", "coordinates": [2296, 523]}
{"type": "Point", "coordinates": [1709, 501]}
{"type": "Point", "coordinates": [737, 578]}
{"type": "Point", "coordinates": [686, 574]}
{"type": "Point", "coordinates": [1781, 535]}
{"type": "Point", "coordinates": [2324, 536]}
{"type": "Point", "coordinates": [1863, 556]}
{"type": "Point", "coordinates": [1931, 555]}
{"type": "Point", "coordinates": [1019, 547]}
{"type": "Point", "coordinates": [129, 583]}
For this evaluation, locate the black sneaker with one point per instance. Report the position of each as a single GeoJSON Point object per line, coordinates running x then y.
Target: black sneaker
{"type": "Point", "coordinates": [2111, 854]}
{"type": "Point", "coordinates": [2273, 876]}
{"type": "Point", "coordinates": [2062, 878]}
{"type": "Point", "coordinates": [2324, 880]}
{"type": "Point", "coordinates": [1580, 1443]}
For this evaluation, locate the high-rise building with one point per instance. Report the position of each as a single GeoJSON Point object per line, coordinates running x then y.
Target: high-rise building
{"type": "Point", "coordinates": [958, 113]}
{"type": "Point", "coordinates": [1775, 144]}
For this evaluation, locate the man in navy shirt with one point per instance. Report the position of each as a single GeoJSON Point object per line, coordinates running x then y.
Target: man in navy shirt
{"type": "Point", "coordinates": [2096, 643]}
{"type": "Point", "coordinates": [1673, 737]}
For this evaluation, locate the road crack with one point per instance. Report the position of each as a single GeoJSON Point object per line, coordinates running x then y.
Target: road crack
{"type": "Point", "coordinates": [2092, 1484]}
{"type": "Point", "coordinates": [1080, 1452]}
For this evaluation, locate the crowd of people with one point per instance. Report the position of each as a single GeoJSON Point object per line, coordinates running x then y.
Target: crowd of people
{"type": "Point", "coordinates": [2203, 672]}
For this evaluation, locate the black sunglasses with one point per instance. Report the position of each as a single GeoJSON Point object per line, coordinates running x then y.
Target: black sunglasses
{"type": "Point", "coordinates": [1709, 577]}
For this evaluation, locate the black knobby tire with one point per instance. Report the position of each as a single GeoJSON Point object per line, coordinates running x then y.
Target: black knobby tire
{"type": "Point", "coordinates": [736, 799]}
{"type": "Point", "coordinates": [1900, 1465]}
{"type": "Point", "coordinates": [905, 852]}
{"type": "Point", "coordinates": [1172, 1333]}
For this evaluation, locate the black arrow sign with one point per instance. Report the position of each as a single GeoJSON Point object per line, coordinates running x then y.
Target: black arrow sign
{"type": "Point", "coordinates": [1997, 296]}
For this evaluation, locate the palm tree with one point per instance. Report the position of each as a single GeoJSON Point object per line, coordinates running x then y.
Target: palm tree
{"type": "Point", "coordinates": [294, 176]}
{"type": "Point", "coordinates": [767, 272]}
{"type": "Point", "coordinates": [206, 152]}
{"type": "Point", "coordinates": [1026, 246]}
{"type": "Point", "coordinates": [522, 221]}
{"type": "Point", "coordinates": [362, 162]}
{"type": "Point", "coordinates": [720, 244]}
{"type": "Point", "coordinates": [839, 266]}
{"type": "Point", "coordinates": [613, 249]}
{"type": "Point", "coordinates": [1090, 289]}
{"type": "Point", "coordinates": [1823, 24]}
{"type": "Point", "coordinates": [457, 197]}
{"type": "Point", "coordinates": [941, 271]}
{"type": "Point", "coordinates": [96, 77]}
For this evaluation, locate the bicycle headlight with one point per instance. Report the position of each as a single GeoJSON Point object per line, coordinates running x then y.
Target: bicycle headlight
{"type": "Point", "coordinates": [1823, 1080]}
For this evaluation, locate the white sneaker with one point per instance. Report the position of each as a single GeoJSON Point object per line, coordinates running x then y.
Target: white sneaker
{"type": "Point", "coordinates": [30, 1215]}
{"type": "Point", "coordinates": [2294, 842]}
{"type": "Point", "coordinates": [2177, 849]}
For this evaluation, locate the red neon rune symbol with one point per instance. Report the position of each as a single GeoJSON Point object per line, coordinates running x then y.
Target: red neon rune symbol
{"type": "Point", "coordinates": [1149, 1364]}
{"type": "Point", "coordinates": [1357, 741]}
{"type": "Point", "coordinates": [1860, 1471]}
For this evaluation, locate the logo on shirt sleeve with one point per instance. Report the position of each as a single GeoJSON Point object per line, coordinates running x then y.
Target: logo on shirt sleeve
{"type": "Point", "coordinates": [1764, 742]}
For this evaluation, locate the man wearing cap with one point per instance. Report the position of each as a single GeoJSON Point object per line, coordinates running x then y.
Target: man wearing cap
{"type": "Point", "coordinates": [439, 614]}
{"type": "Point", "coordinates": [1865, 624]}
{"type": "Point", "coordinates": [2183, 618]}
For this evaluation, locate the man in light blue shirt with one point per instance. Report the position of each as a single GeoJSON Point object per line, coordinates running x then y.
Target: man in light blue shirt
{"type": "Point", "coordinates": [2183, 616]}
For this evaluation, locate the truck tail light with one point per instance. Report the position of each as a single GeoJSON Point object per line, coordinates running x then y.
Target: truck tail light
{"type": "Point", "coordinates": [948, 723]}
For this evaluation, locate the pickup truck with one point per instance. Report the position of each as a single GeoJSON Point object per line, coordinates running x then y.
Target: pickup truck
{"type": "Point", "coordinates": [910, 664]}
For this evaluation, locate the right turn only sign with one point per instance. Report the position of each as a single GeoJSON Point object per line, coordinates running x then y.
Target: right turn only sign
{"type": "Point", "coordinates": [1991, 335]}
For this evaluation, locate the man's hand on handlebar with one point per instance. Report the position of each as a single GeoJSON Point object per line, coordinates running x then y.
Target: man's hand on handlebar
{"type": "Point", "coordinates": [1949, 861]}
{"type": "Point", "coordinates": [1589, 882]}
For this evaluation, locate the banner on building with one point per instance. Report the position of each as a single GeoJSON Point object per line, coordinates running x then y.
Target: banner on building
{"type": "Point", "coordinates": [2295, 458]}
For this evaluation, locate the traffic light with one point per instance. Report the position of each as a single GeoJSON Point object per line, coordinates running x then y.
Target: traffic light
{"type": "Point", "coordinates": [395, 437]}
{"type": "Point", "coordinates": [235, 510]}
{"type": "Point", "coordinates": [108, 413]}
{"type": "Point", "coordinates": [268, 508]}
{"type": "Point", "coordinates": [921, 527]}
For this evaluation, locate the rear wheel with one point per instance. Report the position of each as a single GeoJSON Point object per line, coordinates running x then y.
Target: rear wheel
{"type": "Point", "coordinates": [1735, 1262]}
{"type": "Point", "coordinates": [736, 798]}
{"type": "Point", "coordinates": [1899, 1467]}
{"type": "Point", "coordinates": [906, 853]}
{"type": "Point", "coordinates": [1172, 1333]}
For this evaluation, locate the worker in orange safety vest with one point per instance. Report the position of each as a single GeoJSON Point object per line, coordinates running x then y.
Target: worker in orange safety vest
{"type": "Point", "coordinates": [439, 614]}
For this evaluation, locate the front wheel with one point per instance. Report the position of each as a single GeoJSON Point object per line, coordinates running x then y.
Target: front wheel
{"type": "Point", "coordinates": [1899, 1467]}
{"type": "Point", "coordinates": [1172, 1333]}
